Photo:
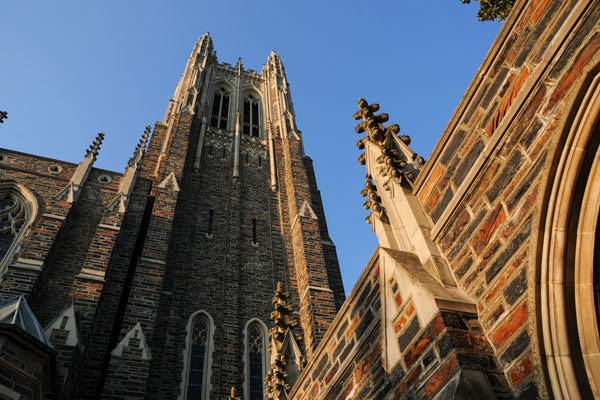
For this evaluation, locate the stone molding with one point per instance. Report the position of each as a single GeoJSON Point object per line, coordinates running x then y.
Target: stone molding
{"type": "Point", "coordinates": [207, 388]}
{"type": "Point", "coordinates": [556, 262]}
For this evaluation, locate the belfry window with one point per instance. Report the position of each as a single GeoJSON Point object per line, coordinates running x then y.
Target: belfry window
{"type": "Point", "coordinates": [255, 363]}
{"type": "Point", "coordinates": [197, 366]}
{"type": "Point", "coordinates": [220, 109]}
{"type": "Point", "coordinates": [250, 122]}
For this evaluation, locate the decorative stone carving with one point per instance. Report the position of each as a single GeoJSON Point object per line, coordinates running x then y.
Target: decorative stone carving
{"type": "Point", "coordinates": [397, 162]}
{"type": "Point", "coordinates": [3, 116]}
{"type": "Point", "coordinates": [281, 316]}
{"type": "Point", "coordinates": [73, 188]}
{"type": "Point", "coordinates": [131, 173]}
{"type": "Point", "coordinates": [373, 202]}
{"type": "Point", "coordinates": [287, 360]}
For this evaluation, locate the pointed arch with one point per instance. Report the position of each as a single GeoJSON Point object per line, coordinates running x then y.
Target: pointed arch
{"type": "Point", "coordinates": [252, 114]}
{"type": "Point", "coordinates": [197, 357]}
{"type": "Point", "coordinates": [256, 358]}
{"type": "Point", "coordinates": [569, 276]}
{"type": "Point", "coordinates": [222, 104]}
{"type": "Point", "coordinates": [18, 209]}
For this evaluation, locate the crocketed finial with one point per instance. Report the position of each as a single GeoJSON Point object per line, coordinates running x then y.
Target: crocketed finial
{"type": "Point", "coordinates": [140, 148]}
{"type": "Point", "coordinates": [281, 315]}
{"type": "Point", "coordinates": [3, 116]}
{"type": "Point", "coordinates": [397, 162]}
{"type": "Point", "coordinates": [95, 146]}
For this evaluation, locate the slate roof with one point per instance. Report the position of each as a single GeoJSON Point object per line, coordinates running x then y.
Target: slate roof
{"type": "Point", "coordinates": [16, 311]}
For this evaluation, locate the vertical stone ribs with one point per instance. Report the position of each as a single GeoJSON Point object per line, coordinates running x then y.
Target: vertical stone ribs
{"type": "Point", "coordinates": [317, 304]}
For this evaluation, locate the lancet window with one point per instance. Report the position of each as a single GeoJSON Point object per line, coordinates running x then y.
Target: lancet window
{"type": "Point", "coordinates": [197, 366]}
{"type": "Point", "coordinates": [15, 215]}
{"type": "Point", "coordinates": [220, 109]}
{"type": "Point", "coordinates": [256, 359]}
{"type": "Point", "coordinates": [250, 124]}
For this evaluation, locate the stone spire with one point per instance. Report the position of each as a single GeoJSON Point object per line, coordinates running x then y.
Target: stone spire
{"type": "Point", "coordinates": [286, 359]}
{"type": "Point", "coordinates": [131, 173]}
{"type": "Point", "coordinates": [281, 316]}
{"type": "Point", "coordinates": [73, 188]}
{"type": "Point", "coordinates": [186, 93]}
{"type": "Point", "coordinates": [397, 161]}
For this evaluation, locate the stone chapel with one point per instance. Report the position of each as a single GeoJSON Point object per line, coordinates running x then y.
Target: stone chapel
{"type": "Point", "coordinates": [205, 269]}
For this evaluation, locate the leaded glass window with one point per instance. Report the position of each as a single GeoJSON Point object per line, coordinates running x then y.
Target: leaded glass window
{"type": "Point", "coordinates": [13, 216]}
{"type": "Point", "coordinates": [220, 109]}
{"type": "Point", "coordinates": [256, 355]}
{"type": "Point", "coordinates": [250, 122]}
{"type": "Point", "coordinates": [198, 357]}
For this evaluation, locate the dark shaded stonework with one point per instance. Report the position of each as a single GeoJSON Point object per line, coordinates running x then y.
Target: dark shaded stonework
{"type": "Point", "coordinates": [208, 219]}
{"type": "Point", "coordinates": [484, 284]}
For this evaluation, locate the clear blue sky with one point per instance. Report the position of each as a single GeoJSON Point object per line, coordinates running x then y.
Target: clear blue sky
{"type": "Point", "coordinates": [73, 68]}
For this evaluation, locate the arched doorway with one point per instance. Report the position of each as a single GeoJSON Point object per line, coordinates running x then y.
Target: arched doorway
{"type": "Point", "coordinates": [570, 265]}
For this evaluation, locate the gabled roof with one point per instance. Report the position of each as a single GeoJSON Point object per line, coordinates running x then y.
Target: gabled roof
{"type": "Point", "coordinates": [16, 311]}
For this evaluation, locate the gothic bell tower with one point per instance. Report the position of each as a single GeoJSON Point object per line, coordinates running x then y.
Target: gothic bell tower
{"type": "Point", "coordinates": [233, 209]}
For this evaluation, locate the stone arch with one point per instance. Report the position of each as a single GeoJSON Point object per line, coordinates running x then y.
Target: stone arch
{"type": "Point", "coordinates": [29, 209]}
{"type": "Point", "coordinates": [265, 333]}
{"type": "Point", "coordinates": [187, 353]}
{"type": "Point", "coordinates": [223, 85]}
{"type": "Point", "coordinates": [256, 95]}
{"type": "Point", "coordinates": [570, 243]}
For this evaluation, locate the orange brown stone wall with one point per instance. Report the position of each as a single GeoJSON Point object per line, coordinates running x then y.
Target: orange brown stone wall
{"type": "Point", "coordinates": [485, 186]}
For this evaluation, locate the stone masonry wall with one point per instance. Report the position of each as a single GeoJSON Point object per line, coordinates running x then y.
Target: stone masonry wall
{"type": "Point", "coordinates": [435, 356]}
{"type": "Point", "coordinates": [485, 183]}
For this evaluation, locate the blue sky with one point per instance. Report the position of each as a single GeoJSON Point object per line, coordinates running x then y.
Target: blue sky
{"type": "Point", "coordinates": [71, 69]}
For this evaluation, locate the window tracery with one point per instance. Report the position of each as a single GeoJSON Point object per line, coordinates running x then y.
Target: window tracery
{"type": "Point", "coordinates": [256, 352]}
{"type": "Point", "coordinates": [197, 367]}
{"type": "Point", "coordinates": [250, 125]}
{"type": "Point", "coordinates": [220, 109]}
{"type": "Point", "coordinates": [13, 215]}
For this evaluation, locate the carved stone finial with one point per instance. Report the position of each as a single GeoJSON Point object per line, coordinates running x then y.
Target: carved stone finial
{"type": "Point", "coordinates": [71, 192]}
{"type": "Point", "coordinates": [140, 148]}
{"type": "Point", "coordinates": [373, 201]}
{"type": "Point", "coordinates": [286, 363]}
{"type": "Point", "coordinates": [3, 116]}
{"type": "Point", "coordinates": [128, 179]}
{"type": "Point", "coordinates": [281, 315]}
{"type": "Point", "coordinates": [95, 146]}
{"type": "Point", "coordinates": [397, 162]}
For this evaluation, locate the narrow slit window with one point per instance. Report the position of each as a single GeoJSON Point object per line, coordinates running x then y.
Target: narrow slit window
{"type": "Point", "coordinates": [254, 233]}
{"type": "Point", "coordinates": [209, 228]}
{"type": "Point", "coordinates": [260, 161]}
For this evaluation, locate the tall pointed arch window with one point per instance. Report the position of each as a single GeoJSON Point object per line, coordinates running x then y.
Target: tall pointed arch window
{"type": "Point", "coordinates": [256, 359]}
{"type": "Point", "coordinates": [18, 209]}
{"type": "Point", "coordinates": [198, 357]}
{"type": "Point", "coordinates": [250, 124]}
{"type": "Point", "coordinates": [220, 109]}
